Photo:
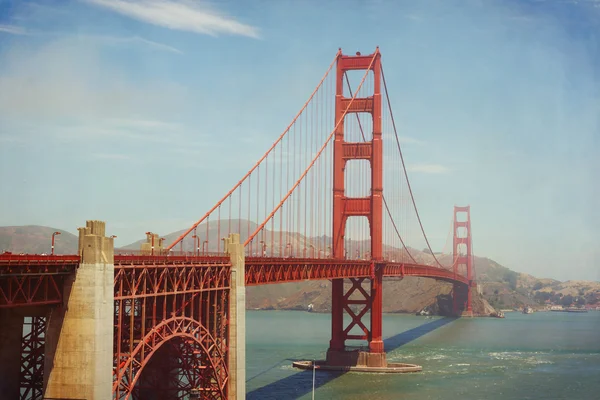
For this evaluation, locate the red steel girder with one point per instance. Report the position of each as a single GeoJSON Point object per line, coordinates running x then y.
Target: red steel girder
{"type": "Point", "coordinates": [356, 319]}
{"type": "Point", "coordinates": [261, 271]}
{"type": "Point", "coordinates": [183, 305]}
{"type": "Point", "coordinates": [30, 290]}
{"type": "Point", "coordinates": [357, 150]}
{"type": "Point", "coordinates": [32, 358]}
{"type": "Point", "coordinates": [38, 262]}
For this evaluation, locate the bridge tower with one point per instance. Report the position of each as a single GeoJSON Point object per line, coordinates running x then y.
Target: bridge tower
{"type": "Point", "coordinates": [461, 304]}
{"type": "Point", "coordinates": [370, 207]}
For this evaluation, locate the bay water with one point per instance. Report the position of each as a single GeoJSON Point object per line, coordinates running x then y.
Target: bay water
{"type": "Point", "coordinates": [545, 355]}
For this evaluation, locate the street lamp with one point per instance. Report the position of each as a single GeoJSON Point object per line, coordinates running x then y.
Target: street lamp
{"type": "Point", "coordinates": [196, 240]}
{"type": "Point", "coordinates": [263, 247]}
{"type": "Point", "coordinates": [113, 236]}
{"type": "Point", "coordinates": [54, 234]}
{"type": "Point", "coordinates": [204, 251]}
{"type": "Point", "coordinates": [152, 236]}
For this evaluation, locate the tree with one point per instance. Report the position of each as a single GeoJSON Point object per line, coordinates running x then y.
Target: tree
{"type": "Point", "coordinates": [567, 300]}
{"type": "Point", "coordinates": [541, 297]}
{"type": "Point", "coordinates": [538, 285]}
{"type": "Point", "coordinates": [511, 278]}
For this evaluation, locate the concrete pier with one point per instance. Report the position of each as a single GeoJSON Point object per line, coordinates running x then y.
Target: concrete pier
{"type": "Point", "coordinates": [79, 339]}
{"type": "Point", "coordinates": [237, 319]}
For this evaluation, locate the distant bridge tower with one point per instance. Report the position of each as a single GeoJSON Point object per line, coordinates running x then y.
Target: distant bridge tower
{"type": "Point", "coordinates": [370, 207]}
{"type": "Point", "coordinates": [463, 260]}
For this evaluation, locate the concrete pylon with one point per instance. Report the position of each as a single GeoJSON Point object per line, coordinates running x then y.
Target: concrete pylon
{"type": "Point", "coordinates": [153, 244]}
{"type": "Point", "coordinates": [79, 339]}
{"type": "Point", "coordinates": [237, 318]}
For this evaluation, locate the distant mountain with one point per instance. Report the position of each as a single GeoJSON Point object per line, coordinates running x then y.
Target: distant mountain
{"type": "Point", "coordinates": [34, 239]}
{"type": "Point", "coordinates": [214, 231]}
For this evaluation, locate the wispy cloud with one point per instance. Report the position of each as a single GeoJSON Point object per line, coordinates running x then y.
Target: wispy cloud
{"type": "Point", "coordinates": [13, 29]}
{"type": "Point", "coordinates": [133, 40]}
{"type": "Point", "coordinates": [179, 15]}
{"type": "Point", "coordinates": [429, 168]}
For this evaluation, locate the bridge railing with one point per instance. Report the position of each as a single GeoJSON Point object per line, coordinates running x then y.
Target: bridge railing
{"type": "Point", "coordinates": [167, 253]}
{"type": "Point", "coordinates": [11, 259]}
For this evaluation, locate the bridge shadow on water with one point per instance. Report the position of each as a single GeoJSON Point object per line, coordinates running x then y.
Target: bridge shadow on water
{"type": "Point", "coordinates": [301, 382]}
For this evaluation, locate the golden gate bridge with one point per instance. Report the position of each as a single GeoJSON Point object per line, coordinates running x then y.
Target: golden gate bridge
{"type": "Point", "coordinates": [169, 320]}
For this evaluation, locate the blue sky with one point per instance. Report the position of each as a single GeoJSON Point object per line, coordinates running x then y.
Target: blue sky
{"type": "Point", "coordinates": [145, 113]}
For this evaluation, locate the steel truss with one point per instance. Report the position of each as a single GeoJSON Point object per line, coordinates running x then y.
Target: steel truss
{"type": "Point", "coordinates": [178, 314]}
{"type": "Point", "coordinates": [261, 271]}
{"type": "Point", "coordinates": [32, 280]}
{"type": "Point", "coordinates": [32, 358]}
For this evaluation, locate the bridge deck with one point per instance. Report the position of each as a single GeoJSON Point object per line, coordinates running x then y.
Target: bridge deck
{"type": "Point", "coordinates": [32, 279]}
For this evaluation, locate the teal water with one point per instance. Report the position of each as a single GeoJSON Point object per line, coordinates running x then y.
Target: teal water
{"type": "Point", "coordinates": [539, 356]}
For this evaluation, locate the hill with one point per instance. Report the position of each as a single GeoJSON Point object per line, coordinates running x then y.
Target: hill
{"type": "Point", "coordinates": [34, 239]}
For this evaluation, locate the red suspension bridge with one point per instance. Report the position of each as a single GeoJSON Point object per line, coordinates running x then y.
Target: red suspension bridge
{"type": "Point", "coordinates": [312, 207]}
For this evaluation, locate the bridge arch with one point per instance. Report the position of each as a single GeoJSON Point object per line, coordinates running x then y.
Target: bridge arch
{"type": "Point", "coordinates": [204, 357]}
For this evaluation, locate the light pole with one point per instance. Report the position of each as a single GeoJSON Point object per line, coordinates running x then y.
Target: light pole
{"type": "Point", "coordinates": [263, 248]}
{"type": "Point", "coordinates": [54, 234]}
{"type": "Point", "coordinates": [204, 251]}
{"type": "Point", "coordinates": [196, 239]}
{"type": "Point", "coordinates": [152, 236]}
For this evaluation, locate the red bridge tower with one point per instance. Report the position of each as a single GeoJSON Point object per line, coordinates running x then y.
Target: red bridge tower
{"type": "Point", "coordinates": [463, 259]}
{"type": "Point", "coordinates": [370, 207]}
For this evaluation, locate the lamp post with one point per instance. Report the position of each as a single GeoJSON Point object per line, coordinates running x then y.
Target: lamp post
{"type": "Point", "coordinates": [196, 239]}
{"type": "Point", "coordinates": [289, 249]}
{"type": "Point", "coordinates": [54, 234]}
{"type": "Point", "coordinates": [204, 250]}
{"type": "Point", "coordinates": [152, 236]}
{"type": "Point", "coordinates": [263, 248]}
